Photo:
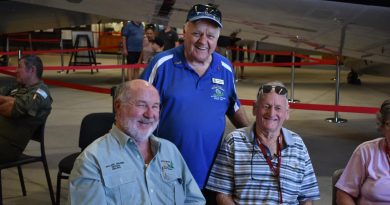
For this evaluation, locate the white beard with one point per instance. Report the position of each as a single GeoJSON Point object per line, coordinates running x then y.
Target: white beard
{"type": "Point", "coordinates": [138, 135]}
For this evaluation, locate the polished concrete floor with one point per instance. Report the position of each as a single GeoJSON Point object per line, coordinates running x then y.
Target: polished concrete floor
{"type": "Point", "coordinates": [330, 144]}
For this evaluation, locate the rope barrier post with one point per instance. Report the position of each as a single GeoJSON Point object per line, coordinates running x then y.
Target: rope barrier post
{"type": "Point", "coordinates": [19, 54]}
{"type": "Point", "coordinates": [6, 63]}
{"type": "Point", "coordinates": [62, 55]}
{"type": "Point", "coordinates": [236, 70]}
{"type": "Point", "coordinates": [291, 99]}
{"type": "Point", "coordinates": [7, 46]}
{"type": "Point", "coordinates": [30, 40]}
{"type": "Point", "coordinates": [113, 90]}
{"type": "Point", "coordinates": [336, 118]}
{"type": "Point", "coordinates": [123, 69]}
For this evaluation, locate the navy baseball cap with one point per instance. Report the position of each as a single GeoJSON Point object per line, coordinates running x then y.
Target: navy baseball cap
{"type": "Point", "coordinates": [200, 11]}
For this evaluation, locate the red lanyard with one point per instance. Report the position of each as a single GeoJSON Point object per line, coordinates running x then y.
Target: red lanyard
{"type": "Point", "coordinates": [275, 171]}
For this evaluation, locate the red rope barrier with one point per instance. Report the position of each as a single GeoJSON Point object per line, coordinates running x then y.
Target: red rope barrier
{"type": "Point", "coordinates": [78, 86]}
{"type": "Point", "coordinates": [68, 85]}
{"type": "Point", "coordinates": [246, 102]}
{"type": "Point", "coordinates": [84, 67]}
{"type": "Point", "coordinates": [322, 107]}
{"type": "Point", "coordinates": [58, 50]}
{"type": "Point", "coordinates": [35, 40]}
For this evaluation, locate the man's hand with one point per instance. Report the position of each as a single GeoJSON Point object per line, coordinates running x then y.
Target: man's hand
{"type": "Point", "coordinates": [224, 199]}
{"type": "Point", "coordinates": [6, 105]}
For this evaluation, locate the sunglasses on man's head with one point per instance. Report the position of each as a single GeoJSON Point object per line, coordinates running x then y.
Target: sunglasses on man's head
{"type": "Point", "coordinates": [205, 9]}
{"type": "Point", "coordinates": [268, 88]}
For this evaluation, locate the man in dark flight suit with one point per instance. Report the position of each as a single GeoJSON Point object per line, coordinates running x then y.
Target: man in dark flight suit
{"type": "Point", "coordinates": [23, 107]}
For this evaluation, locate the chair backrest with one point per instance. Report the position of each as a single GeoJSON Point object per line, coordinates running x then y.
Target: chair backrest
{"type": "Point", "coordinates": [39, 136]}
{"type": "Point", "coordinates": [39, 132]}
{"type": "Point", "coordinates": [335, 177]}
{"type": "Point", "coordinates": [93, 126]}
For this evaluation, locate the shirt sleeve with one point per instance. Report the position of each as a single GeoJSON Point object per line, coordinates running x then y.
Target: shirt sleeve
{"type": "Point", "coordinates": [145, 75]}
{"type": "Point", "coordinates": [353, 175]}
{"type": "Point", "coordinates": [221, 178]}
{"type": "Point", "coordinates": [85, 185]}
{"type": "Point", "coordinates": [31, 103]}
{"type": "Point", "coordinates": [125, 31]}
{"type": "Point", "coordinates": [309, 187]}
{"type": "Point", "coordinates": [193, 195]}
{"type": "Point", "coordinates": [234, 101]}
{"type": "Point", "coordinates": [4, 90]}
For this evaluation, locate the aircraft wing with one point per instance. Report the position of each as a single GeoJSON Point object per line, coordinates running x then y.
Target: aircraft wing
{"type": "Point", "coordinates": [361, 31]}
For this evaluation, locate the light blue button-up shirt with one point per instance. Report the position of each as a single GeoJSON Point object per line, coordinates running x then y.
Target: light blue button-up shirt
{"type": "Point", "coordinates": [112, 171]}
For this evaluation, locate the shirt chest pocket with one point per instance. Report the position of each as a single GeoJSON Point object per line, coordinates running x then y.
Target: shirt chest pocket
{"type": "Point", "coordinates": [121, 188]}
{"type": "Point", "coordinates": [173, 187]}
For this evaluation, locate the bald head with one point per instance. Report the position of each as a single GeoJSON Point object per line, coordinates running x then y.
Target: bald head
{"type": "Point", "coordinates": [137, 109]}
{"type": "Point", "coordinates": [128, 89]}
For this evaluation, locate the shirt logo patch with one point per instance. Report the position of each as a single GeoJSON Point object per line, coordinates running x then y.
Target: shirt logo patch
{"type": "Point", "coordinates": [218, 81]}
{"type": "Point", "coordinates": [218, 93]}
{"type": "Point", "coordinates": [167, 165]}
{"type": "Point", "coordinates": [13, 92]}
{"type": "Point", "coordinates": [42, 93]}
{"type": "Point", "coordinates": [115, 166]}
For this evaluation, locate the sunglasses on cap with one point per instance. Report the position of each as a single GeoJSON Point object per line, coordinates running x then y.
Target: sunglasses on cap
{"type": "Point", "coordinates": [268, 88]}
{"type": "Point", "coordinates": [200, 11]}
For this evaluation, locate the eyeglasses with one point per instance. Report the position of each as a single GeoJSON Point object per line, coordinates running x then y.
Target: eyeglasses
{"type": "Point", "coordinates": [204, 10]}
{"type": "Point", "coordinates": [268, 88]}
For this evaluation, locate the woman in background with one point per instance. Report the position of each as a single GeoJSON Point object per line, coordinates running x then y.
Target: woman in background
{"type": "Point", "coordinates": [366, 178]}
{"type": "Point", "coordinates": [147, 50]}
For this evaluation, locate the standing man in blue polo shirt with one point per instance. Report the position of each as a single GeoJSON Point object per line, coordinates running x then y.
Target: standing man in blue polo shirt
{"type": "Point", "coordinates": [132, 45]}
{"type": "Point", "coordinates": [197, 90]}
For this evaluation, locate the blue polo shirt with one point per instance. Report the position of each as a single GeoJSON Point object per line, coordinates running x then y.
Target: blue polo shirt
{"type": "Point", "coordinates": [193, 108]}
{"type": "Point", "coordinates": [135, 36]}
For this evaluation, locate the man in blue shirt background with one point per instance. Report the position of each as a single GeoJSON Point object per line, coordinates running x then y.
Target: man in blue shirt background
{"type": "Point", "coordinates": [132, 44]}
{"type": "Point", "coordinates": [197, 91]}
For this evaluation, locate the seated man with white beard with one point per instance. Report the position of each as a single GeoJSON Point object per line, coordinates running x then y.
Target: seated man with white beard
{"type": "Point", "coordinates": [129, 165]}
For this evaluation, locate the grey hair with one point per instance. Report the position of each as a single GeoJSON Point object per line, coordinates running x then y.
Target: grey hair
{"type": "Point", "coordinates": [384, 113]}
{"type": "Point", "coordinates": [121, 93]}
{"type": "Point", "coordinates": [31, 61]}
{"type": "Point", "coordinates": [271, 83]}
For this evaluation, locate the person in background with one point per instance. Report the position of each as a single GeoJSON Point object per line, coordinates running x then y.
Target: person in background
{"type": "Point", "coordinates": [157, 46]}
{"type": "Point", "coordinates": [264, 163]}
{"type": "Point", "coordinates": [24, 106]}
{"type": "Point", "coordinates": [237, 49]}
{"type": "Point", "coordinates": [197, 90]}
{"type": "Point", "coordinates": [129, 165]}
{"type": "Point", "coordinates": [353, 78]}
{"type": "Point", "coordinates": [366, 178]}
{"type": "Point", "coordinates": [147, 51]}
{"type": "Point", "coordinates": [169, 36]}
{"type": "Point", "coordinates": [132, 40]}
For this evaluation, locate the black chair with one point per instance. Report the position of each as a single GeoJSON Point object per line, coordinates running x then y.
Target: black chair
{"type": "Point", "coordinates": [335, 178]}
{"type": "Point", "coordinates": [93, 126]}
{"type": "Point", "coordinates": [38, 136]}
